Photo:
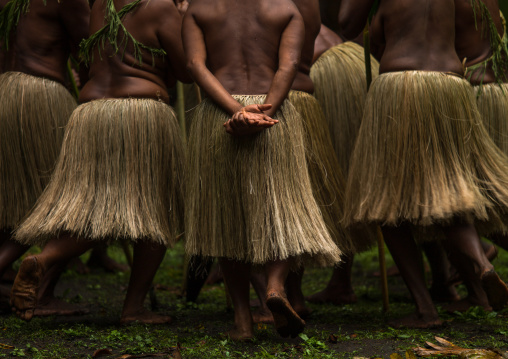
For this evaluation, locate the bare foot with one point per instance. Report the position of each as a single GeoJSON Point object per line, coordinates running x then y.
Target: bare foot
{"type": "Point", "coordinates": [335, 297]}
{"type": "Point", "coordinates": [262, 316]}
{"type": "Point", "coordinates": [56, 306]}
{"type": "Point", "coordinates": [302, 310]}
{"type": "Point", "coordinates": [239, 335]}
{"type": "Point", "coordinates": [464, 304]}
{"type": "Point", "coordinates": [26, 286]}
{"type": "Point", "coordinates": [417, 322]}
{"type": "Point", "coordinates": [146, 317]}
{"type": "Point", "coordinates": [287, 321]}
{"type": "Point", "coordinates": [496, 289]}
{"type": "Point", "coordinates": [444, 294]}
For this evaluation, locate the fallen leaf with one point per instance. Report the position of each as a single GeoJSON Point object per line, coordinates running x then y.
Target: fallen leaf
{"type": "Point", "coordinates": [102, 353]}
{"type": "Point", "coordinates": [332, 339]}
{"type": "Point", "coordinates": [6, 346]}
{"type": "Point", "coordinates": [448, 348]}
{"type": "Point", "coordinates": [410, 355]}
{"type": "Point", "coordinates": [353, 335]}
{"type": "Point", "coordinates": [396, 356]}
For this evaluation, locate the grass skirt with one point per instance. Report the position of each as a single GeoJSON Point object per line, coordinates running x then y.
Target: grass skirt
{"type": "Point", "coordinates": [341, 88]}
{"type": "Point", "coordinates": [33, 115]}
{"type": "Point", "coordinates": [119, 175]}
{"type": "Point", "coordinates": [249, 198]}
{"type": "Point", "coordinates": [328, 182]}
{"type": "Point", "coordinates": [424, 157]}
{"type": "Point", "coordinates": [492, 102]}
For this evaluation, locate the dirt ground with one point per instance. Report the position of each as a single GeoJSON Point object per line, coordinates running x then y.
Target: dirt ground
{"type": "Point", "coordinates": [357, 330]}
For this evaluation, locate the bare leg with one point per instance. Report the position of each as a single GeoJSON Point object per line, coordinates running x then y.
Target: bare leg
{"type": "Point", "coordinates": [147, 259]}
{"type": "Point", "coordinates": [287, 321]}
{"type": "Point", "coordinates": [404, 251]}
{"type": "Point", "coordinates": [295, 294]}
{"type": "Point", "coordinates": [441, 290]}
{"type": "Point", "coordinates": [476, 294]}
{"type": "Point", "coordinates": [26, 286]}
{"type": "Point", "coordinates": [262, 314]}
{"type": "Point", "coordinates": [10, 251]}
{"type": "Point", "coordinates": [47, 303]}
{"type": "Point", "coordinates": [339, 289]}
{"type": "Point", "coordinates": [236, 275]}
{"type": "Point", "coordinates": [99, 258]}
{"type": "Point", "coordinates": [463, 240]}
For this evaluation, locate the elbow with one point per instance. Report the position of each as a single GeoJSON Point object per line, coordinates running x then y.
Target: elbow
{"type": "Point", "coordinates": [193, 66]}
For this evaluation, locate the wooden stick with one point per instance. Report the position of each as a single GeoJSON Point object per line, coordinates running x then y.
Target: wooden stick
{"type": "Point", "coordinates": [382, 270]}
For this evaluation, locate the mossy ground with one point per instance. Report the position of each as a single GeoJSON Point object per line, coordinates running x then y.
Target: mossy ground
{"type": "Point", "coordinates": [358, 330]}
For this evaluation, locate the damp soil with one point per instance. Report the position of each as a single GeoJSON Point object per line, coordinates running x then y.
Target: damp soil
{"type": "Point", "coordinates": [356, 330]}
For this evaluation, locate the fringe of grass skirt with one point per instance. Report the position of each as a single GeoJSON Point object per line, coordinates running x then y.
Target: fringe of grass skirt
{"type": "Point", "coordinates": [423, 156]}
{"type": "Point", "coordinates": [119, 175]}
{"type": "Point", "coordinates": [341, 88]}
{"type": "Point", "coordinates": [326, 177]}
{"type": "Point", "coordinates": [33, 115]}
{"type": "Point", "coordinates": [250, 198]}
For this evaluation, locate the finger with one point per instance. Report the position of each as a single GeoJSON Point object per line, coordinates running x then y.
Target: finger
{"type": "Point", "coordinates": [240, 122]}
{"type": "Point", "coordinates": [264, 107]}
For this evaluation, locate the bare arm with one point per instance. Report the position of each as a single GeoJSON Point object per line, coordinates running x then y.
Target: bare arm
{"type": "Point", "coordinates": [353, 16]}
{"type": "Point", "coordinates": [195, 50]}
{"type": "Point", "coordinates": [170, 36]}
{"type": "Point", "coordinates": [290, 50]}
{"type": "Point", "coordinates": [75, 16]}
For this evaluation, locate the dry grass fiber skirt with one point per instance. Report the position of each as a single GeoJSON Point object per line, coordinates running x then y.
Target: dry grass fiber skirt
{"type": "Point", "coordinates": [250, 198]}
{"type": "Point", "coordinates": [119, 175]}
{"type": "Point", "coordinates": [340, 86]}
{"type": "Point", "coordinates": [33, 115]}
{"type": "Point", "coordinates": [492, 100]}
{"type": "Point", "coordinates": [424, 157]}
{"type": "Point", "coordinates": [326, 177]}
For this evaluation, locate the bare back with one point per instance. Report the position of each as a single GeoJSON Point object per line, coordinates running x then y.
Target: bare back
{"type": "Point", "coordinates": [416, 35]}
{"type": "Point", "coordinates": [325, 40]}
{"type": "Point", "coordinates": [312, 20]}
{"type": "Point", "coordinates": [45, 36]}
{"type": "Point", "coordinates": [242, 40]}
{"type": "Point", "coordinates": [472, 42]}
{"type": "Point", "coordinates": [153, 23]}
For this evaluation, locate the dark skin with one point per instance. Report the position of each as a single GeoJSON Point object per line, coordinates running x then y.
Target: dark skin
{"type": "Point", "coordinates": [46, 36]}
{"type": "Point", "coordinates": [121, 77]}
{"type": "Point", "coordinates": [266, 64]}
{"type": "Point", "coordinates": [312, 19]}
{"type": "Point", "coordinates": [325, 40]}
{"type": "Point", "coordinates": [154, 23]}
{"type": "Point", "coordinates": [402, 28]}
{"type": "Point", "coordinates": [260, 56]}
{"type": "Point", "coordinates": [472, 42]}
{"type": "Point", "coordinates": [40, 46]}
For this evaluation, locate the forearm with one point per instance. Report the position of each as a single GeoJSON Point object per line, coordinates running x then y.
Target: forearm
{"type": "Point", "coordinates": [209, 84]}
{"type": "Point", "coordinates": [279, 88]}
